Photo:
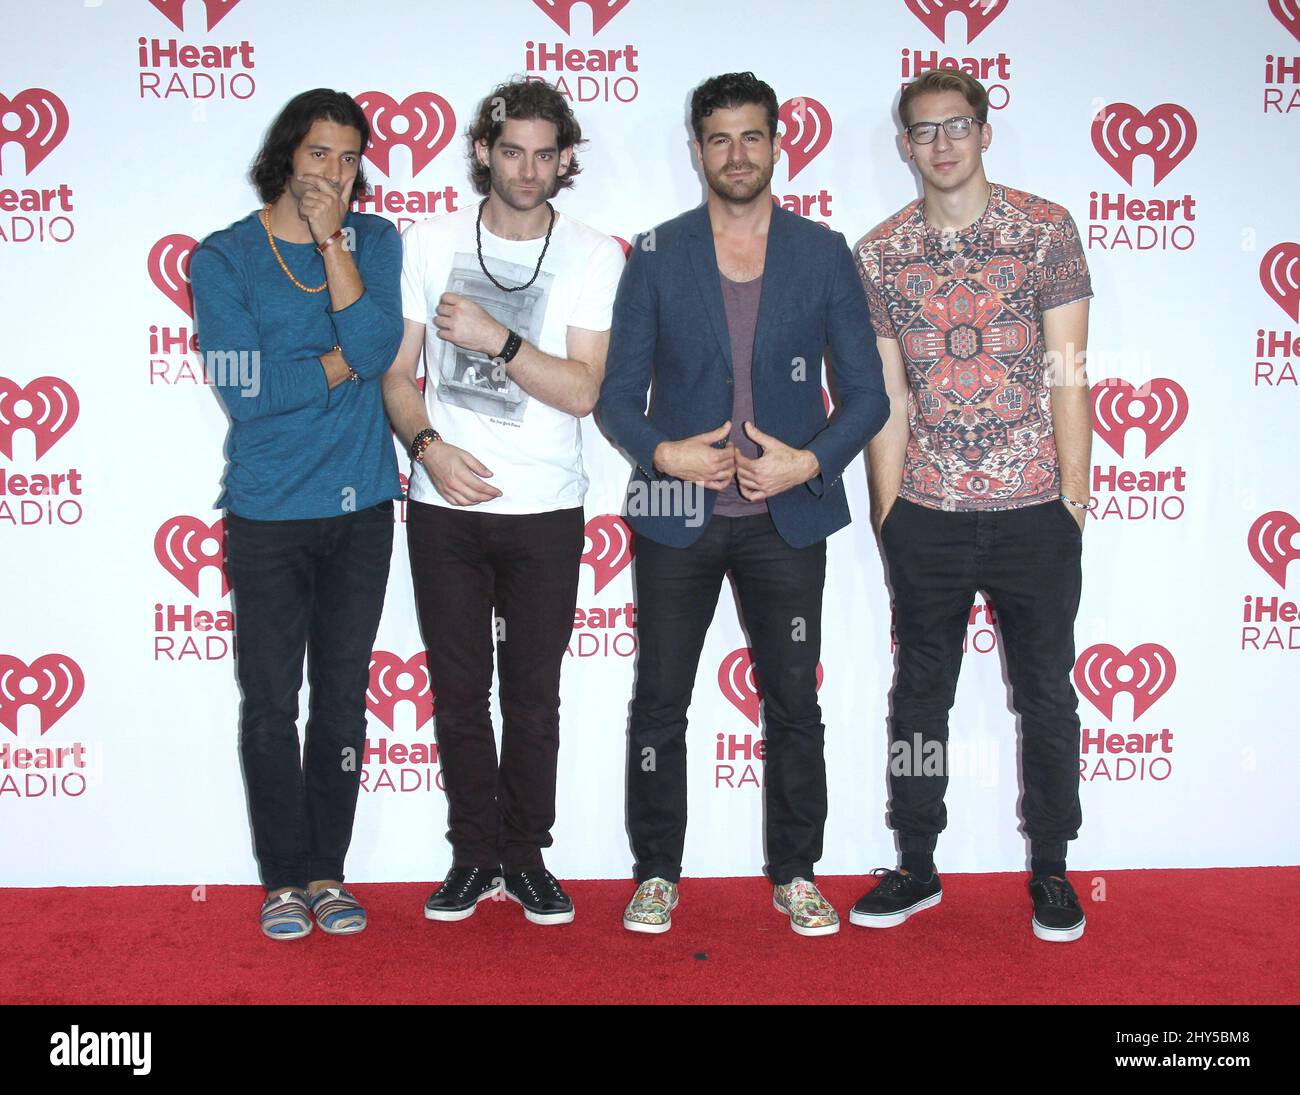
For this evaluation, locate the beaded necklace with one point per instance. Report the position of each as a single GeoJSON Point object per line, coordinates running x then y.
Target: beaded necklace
{"type": "Point", "coordinates": [266, 223]}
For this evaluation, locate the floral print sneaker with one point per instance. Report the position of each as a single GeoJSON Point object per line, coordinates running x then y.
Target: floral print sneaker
{"type": "Point", "coordinates": [809, 912]}
{"type": "Point", "coordinates": [651, 907]}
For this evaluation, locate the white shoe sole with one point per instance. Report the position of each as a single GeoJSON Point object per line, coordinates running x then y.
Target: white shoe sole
{"type": "Point", "coordinates": [650, 929]}
{"type": "Point", "coordinates": [1059, 935]}
{"type": "Point", "coordinates": [892, 920]}
{"type": "Point", "coordinates": [354, 928]}
{"type": "Point", "coordinates": [538, 918]}
{"type": "Point", "coordinates": [453, 915]}
{"type": "Point", "coordinates": [828, 929]}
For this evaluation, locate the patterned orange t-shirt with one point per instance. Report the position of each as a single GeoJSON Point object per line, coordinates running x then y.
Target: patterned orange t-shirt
{"type": "Point", "coordinates": [966, 308]}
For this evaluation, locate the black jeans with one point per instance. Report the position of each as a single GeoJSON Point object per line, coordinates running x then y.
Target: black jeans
{"type": "Point", "coordinates": [525, 566]}
{"type": "Point", "coordinates": [1028, 562]}
{"type": "Point", "coordinates": [780, 591]}
{"type": "Point", "coordinates": [314, 587]}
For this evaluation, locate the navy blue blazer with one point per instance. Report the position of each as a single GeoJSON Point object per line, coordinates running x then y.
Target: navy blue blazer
{"type": "Point", "coordinates": [670, 322]}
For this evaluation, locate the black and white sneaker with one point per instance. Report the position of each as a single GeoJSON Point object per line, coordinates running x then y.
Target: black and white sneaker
{"type": "Point", "coordinates": [540, 895]}
{"type": "Point", "coordinates": [895, 898]}
{"type": "Point", "coordinates": [1057, 915]}
{"type": "Point", "coordinates": [459, 895]}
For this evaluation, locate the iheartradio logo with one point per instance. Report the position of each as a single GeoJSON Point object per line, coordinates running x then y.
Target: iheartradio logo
{"type": "Point", "coordinates": [169, 269]}
{"type": "Point", "coordinates": [423, 123]}
{"type": "Point", "coordinates": [1104, 671]}
{"type": "Point", "coordinates": [216, 10]}
{"type": "Point", "coordinates": [185, 547]}
{"type": "Point", "coordinates": [52, 684]}
{"type": "Point", "coordinates": [47, 407]}
{"type": "Point", "coordinates": [737, 680]}
{"type": "Point", "coordinates": [1157, 408]}
{"type": "Point", "coordinates": [1274, 540]}
{"type": "Point", "coordinates": [393, 681]}
{"type": "Point", "coordinates": [1279, 273]}
{"type": "Point", "coordinates": [1287, 12]}
{"type": "Point", "coordinates": [608, 548]}
{"type": "Point", "coordinates": [42, 124]}
{"type": "Point", "coordinates": [934, 14]}
{"type": "Point", "coordinates": [807, 130]}
{"type": "Point", "coordinates": [1121, 133]}
{"type": "Point", "coordinates": [560, 12]}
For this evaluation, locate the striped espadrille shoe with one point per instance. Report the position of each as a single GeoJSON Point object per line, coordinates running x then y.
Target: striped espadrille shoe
{"type": "Point", "coordinates": [338, 912]}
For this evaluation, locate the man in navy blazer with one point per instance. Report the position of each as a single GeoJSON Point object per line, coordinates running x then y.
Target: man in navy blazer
{"type": "Point", "coordinates": [729, 309]}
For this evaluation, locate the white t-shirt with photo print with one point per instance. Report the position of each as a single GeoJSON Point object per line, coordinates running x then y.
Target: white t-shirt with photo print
{"type": "Point", "coordinates": [533, 450]}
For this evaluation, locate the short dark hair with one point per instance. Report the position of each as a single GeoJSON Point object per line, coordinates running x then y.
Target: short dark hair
{"type": "Point", "coordinates": [274, 163]}
{"type": "Point", "coordinates": [728, 91]}
{"type": "Point", "coordinates": [945, 79]}
{"type": "Point", "coordinates": [523, 100]}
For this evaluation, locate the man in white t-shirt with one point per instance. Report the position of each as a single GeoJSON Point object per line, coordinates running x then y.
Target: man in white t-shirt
{"type": "Point", "coordinates": [511, 303]}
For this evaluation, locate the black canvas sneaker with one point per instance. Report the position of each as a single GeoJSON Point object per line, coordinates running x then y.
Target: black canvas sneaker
{"type": "Point", "coordinates": [1057, 915]}
{"type": "Point", "coordinates": [540, 895]}
{"type": "Point", "coordinates": [896, 897]}
{"type": "Point", "coordinates": [459, 895]}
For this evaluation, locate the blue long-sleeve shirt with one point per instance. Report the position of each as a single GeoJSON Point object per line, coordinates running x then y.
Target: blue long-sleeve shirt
{"type": "Point", "coordinates": [296, 449]}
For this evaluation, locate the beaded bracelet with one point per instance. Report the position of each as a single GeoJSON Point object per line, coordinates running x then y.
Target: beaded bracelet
{"type": "Point", "coordinates": [320, 247]}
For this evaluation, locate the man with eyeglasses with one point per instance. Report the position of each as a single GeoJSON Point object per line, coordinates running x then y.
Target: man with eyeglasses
{"type": "Point", "coordinates": [979, 299]}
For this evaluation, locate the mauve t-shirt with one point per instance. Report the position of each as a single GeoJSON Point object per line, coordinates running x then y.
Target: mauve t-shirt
{"type": "Point", "coordinates": [741, 301]}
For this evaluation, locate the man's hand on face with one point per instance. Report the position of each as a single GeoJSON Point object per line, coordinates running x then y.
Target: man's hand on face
{"type": "Point", "coordinates": [698, 459]}
{"type": "Point", "coordinates": [462, 322]}
{"type": "Point", "coordinates": [323, 206]}
{"type": "Point", "coordinates": [777, 470]}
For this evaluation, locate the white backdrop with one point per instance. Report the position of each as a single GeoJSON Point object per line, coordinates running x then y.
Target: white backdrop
{"type": "Point", "coordinates": [126, 136]}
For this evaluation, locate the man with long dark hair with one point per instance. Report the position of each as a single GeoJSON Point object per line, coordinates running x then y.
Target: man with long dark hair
{"type": "Point", "coordinates": [729, 308]}
{"type": "Point", "coordinates": [298, 313]}
{"type": "Point", "coordinates": [510, 303]}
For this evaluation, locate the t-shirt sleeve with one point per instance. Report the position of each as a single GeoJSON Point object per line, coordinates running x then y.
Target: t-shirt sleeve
{"type": "Point", "coordinates": [594, 308]}
{"type": "Point", "coordinates": [415, 298]}
{"type": "Point", "coordinates": [1064, 267]}
{"type": "Point", "coordinates": [868, 257]}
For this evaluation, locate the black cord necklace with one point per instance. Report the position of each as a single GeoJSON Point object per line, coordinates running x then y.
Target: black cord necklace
{"type": "Point", "coordinates": [478, 238]}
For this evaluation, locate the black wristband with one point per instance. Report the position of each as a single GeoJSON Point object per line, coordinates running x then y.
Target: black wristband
{"type": "Point", "coordinates": [508, 351]}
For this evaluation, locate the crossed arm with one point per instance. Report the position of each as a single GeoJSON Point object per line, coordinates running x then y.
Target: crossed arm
{"type": "Point", "coordinates": [569, 384]}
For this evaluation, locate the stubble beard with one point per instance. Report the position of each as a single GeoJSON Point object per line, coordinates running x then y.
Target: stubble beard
{"type": "Point", "coordinates": [741, 191]}
{"type": "Point", "coordinates": [525, 205]}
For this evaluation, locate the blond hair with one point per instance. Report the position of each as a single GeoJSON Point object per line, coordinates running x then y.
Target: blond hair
{"type": "Point", "coordinates": [946, 79]}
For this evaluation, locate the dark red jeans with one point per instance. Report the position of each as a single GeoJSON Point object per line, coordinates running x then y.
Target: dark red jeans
{"type": "Point", "coordinates": [468, 567]}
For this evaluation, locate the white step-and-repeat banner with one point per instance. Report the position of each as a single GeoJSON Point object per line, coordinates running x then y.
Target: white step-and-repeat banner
{"type": "Point", "coordinates": [1170, 129]}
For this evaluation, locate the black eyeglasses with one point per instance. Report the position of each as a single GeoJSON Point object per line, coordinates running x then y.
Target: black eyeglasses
{"type": "Point", "coordinates": [956, 128]}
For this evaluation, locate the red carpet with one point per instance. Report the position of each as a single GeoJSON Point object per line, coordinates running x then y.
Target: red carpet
{"type": "Point", "coordinates": [1167, 937]}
